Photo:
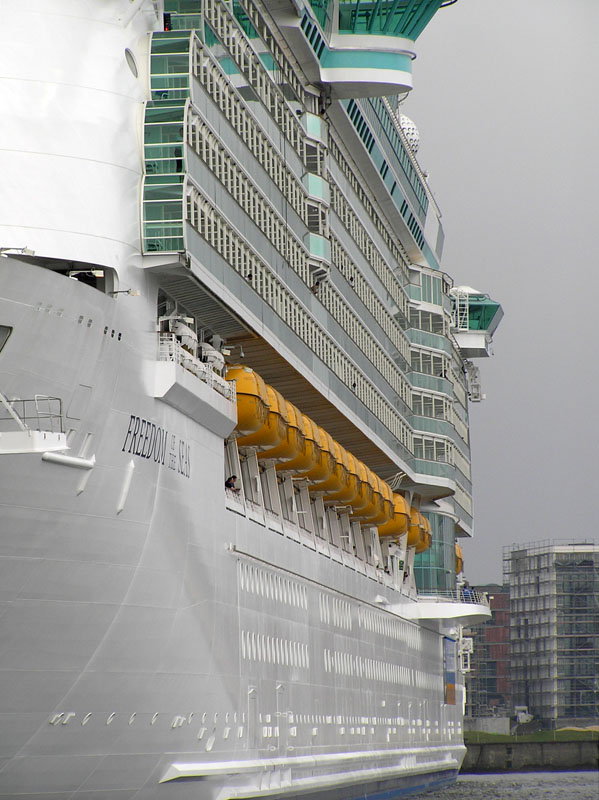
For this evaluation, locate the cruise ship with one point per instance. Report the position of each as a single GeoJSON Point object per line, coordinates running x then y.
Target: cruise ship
{"type": "Point", "coordinates": [234, 386]}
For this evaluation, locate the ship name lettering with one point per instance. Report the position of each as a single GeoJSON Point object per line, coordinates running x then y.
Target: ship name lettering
{"type": "Point", "coordinates": [184, 467]}
{"type": "Point", "coordinates": [148, 440]}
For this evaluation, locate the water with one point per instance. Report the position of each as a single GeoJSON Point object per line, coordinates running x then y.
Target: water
{"type": "Point", "coordinates": [522, 786]}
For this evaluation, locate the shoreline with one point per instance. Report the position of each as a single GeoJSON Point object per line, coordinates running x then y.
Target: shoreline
{"type": "Point", "coordinates": [569, 756]}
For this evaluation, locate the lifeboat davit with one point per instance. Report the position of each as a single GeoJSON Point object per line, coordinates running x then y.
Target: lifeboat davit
{"type": "Point", "coordinates": [280, 432]}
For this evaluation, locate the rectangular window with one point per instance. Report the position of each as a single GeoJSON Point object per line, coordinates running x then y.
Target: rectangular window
{"type": "Point", "coordinates": [426, 289]}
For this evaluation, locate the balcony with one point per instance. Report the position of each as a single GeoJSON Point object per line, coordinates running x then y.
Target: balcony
{"type": "Point", "coordinates": [192, 386]}
{"type": "Point", "coordinates": [31, 426]}
{"type": "Point", "coordinates": [466, 607]}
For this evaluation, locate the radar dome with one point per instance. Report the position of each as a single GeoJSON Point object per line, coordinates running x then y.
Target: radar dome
{"type": "Point", "coordinates": [410, 131]}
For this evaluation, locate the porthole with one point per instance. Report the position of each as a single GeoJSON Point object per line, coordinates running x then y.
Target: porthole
{"type": "Point", "coordinates": [130, 58]}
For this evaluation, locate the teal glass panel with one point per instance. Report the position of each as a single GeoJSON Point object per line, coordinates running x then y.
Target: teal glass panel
{"type": "Point", "coordinates": [318, 246]}
{"type": "Point", "coordinates": [420, 381]}
{"type": "Point", "coordinates": [183, 6]}
{"type": "Point", "coordinates": [186, 22]}
{"type": "Point", "coordinates": [167, 211]}
{"type": "Point", "coordinates": [210, 38]}
{"type": "Point", "coordinates": [161, 167]}
{"type": "Point", "coordinates": [163, 191]}
{"type": "Point", "coordinates": [429, 340]}
{"type": "Point", "coordinates": [184, 14]}
{"type": "Point", "coordinates": [244, 21]}
{"type": "Point", "coordinates": [436, 468]}
{"type": "Point", "coordinates": [151, 180]}
{"type": "Point", "coordinates": [228, 66]}
{"type": "Point", "coordinates": [268, 61]}
{"type": "Point", "coordinates": [315, 126]}
{"type": "Point", "coordinates": [316, 187]}
{"type": "Point", "coordinates": [434, 569]}
{"type": "Point", "coordinates": [406, 18]}
{"type": "Point", "coordinates": [167, 82]}
{"type": "Point", "coordinates": [366, 59]}
{"type": "Point", "coordinates": [431, 425]}
{"type": "Point", "coordinates": [155, 242]}
{"type": "Point", "coordinates": [166, 64]}
{"type": "Point", "coordinates": [163, 228]}
{"type": "Point", "coordinates": [163, 151]}
{"type": "Point", "coordinates": [165, 113]}
{"type": "Point", "coordinates": [322, 11]}
{"type": "Point", "coordinates": [163, 43]}
{"type": "Point", "coordinates": [158, 134]}
{"type": "Point", "coordinates": [481, 313]}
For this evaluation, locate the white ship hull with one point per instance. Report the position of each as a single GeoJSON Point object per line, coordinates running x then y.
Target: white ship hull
{"type": "Point", "coordinates": [178, 648]}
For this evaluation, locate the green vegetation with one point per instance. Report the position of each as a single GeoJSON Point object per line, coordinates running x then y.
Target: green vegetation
{"type": "Point", "coordinates": [478, 737]}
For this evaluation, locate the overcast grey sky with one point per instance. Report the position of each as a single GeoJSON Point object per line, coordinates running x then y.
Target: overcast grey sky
{"type": "Point", "coordinates": [506, 100]}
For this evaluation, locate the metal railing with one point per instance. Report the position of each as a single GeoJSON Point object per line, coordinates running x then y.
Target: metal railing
{"type": "Point", "coordinates": [40, 413]}
{"type": "Point", "coordinates": [462, 596]}
{"type": "Point", "coordinates": [170, 349]}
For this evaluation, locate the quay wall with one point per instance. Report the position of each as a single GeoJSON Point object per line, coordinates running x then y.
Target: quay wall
{"type": "Point", "coordinates": [522, 756]}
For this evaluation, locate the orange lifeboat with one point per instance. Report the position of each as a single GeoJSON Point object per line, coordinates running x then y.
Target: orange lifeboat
{"type": "Point", "coordinates": [459, 559]}
{"type": "Point", "coordinates": [351, 493]}
{"type": "Point", "coordinates": [337, 480]}
{"type": "Point", "coordinates": [274, 430]}
{"type": "Point", "coordinates": [374, 513]}
{"type": "Point", "coordinates": [398, 524]}
{"type": "Point", "coordinates": [415, 527]}
{"type": "Point", "coordinates": [294, 443]}
{"type": "Point", "coordinates": [252, 399]}
{"type": "Point", "coordinates": [309, 457]}
{"type": "Point", "coordinates": [365, 497]}
{"type": "Point", "coordinates": [324, 467]}
{"type": "Point", "coordinates": [426, 537]}
{"type": "Point", "coordinates": [383, 497]}
{"type": "Point", "coordinates": [388, 502]}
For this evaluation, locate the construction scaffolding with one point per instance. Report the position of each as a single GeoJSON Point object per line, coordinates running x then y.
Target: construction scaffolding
{"type": "Point", "coordinates": [554, 629]}
{"type": "Point", "coordinates": [488, 683]}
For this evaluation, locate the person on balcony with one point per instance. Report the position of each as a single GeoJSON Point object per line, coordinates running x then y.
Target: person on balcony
{"type": "Point", "coordinates": [230, 483]}
{"type": "Point", "coordinates": [467, 593]}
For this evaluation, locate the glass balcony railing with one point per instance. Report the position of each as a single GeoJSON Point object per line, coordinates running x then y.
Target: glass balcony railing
{"type": "Point", "coordinates": [407, 18]}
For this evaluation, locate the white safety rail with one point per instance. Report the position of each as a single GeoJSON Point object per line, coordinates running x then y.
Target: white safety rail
{"type": "Point", "coordinates": [41, 413]}
{"type": "Point", "coordinates": [170, 349]}
{"type": "Point", "coordinates": [31, 425]}
{"type": "Point", "coordinates": [465, 595]}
